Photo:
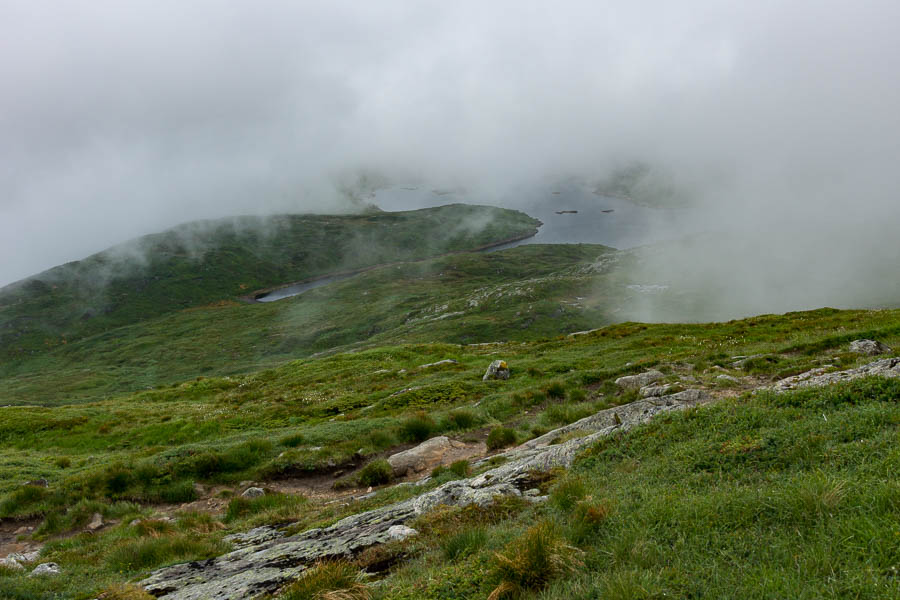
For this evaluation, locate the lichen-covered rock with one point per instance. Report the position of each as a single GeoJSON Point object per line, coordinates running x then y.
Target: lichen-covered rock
{"type": "Point", "coordinates": [886, 367]}
{"type": "Point", "coordinates": [400, 532]}
{"type": "Point", "coordinates": [640, 380]}
{"type": "Point", "coordinates": [253, 492]}
{"type": "Point", "coordinates": [49, 568]}
{"type": "Point", "coordinates": [654, 391]}
{"type": "Point", "coordinates": [11, 563]}
{"type": "Point", "coordinates": [868, 347]}
{"type": "Point", "coordinates": [267, 558]}
{"type": "Point", "coordinates": [96, 522]}
{"type": "Point", "coordinates": [423, 456]}
{"type": "Point", "coordinates": [496, 370]}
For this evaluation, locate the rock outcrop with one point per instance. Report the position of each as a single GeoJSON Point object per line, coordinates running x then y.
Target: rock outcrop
{"type": "Point", "coordinates": [640, 380]}
{"type": "Point", "coordinates": [868, 347]}
{"type": "Point", "coordinates": [266, 558]}
{"type": "Point", "coordinates": [426, 454]}
{"type": "Point", "coordinates": [44, 569]}
{"type": "Point", "coordinates": [886, 367]}
{"type": "Point", "coordinates": [496, 370]}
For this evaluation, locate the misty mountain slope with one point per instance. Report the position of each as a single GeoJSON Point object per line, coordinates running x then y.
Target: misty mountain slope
{"type": "Point", "coordinates": [518, 294]}
{"type": "Point", "coordinates": [211, 261]}
{"type": "Point", "coordinates": [521, 294]}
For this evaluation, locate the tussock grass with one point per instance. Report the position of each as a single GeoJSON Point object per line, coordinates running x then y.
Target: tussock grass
{"type": "Point", "coordinates": [328, 581]}
{"type": "Point", "coordinates": [532, 560]}
{"type": "Point", "coordinates": [377, 472]}
{"type": "Point", "coordinates": [501, 437]}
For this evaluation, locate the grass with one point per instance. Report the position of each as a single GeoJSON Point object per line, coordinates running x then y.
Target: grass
{"type": "Point", "coordinates": [764, 466]}
{"type": "Point", "coordinates": [328, 581]}
{"type": "Point", "coordinates": [500, 437]}
{"type": "Point", "coordinates": [99, 323]}
{"type": "Point", "coordinates": [753, 497]}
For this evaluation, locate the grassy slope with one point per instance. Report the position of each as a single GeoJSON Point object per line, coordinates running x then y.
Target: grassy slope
{"type": "Point", "coordinates": [519, 294]}
{"type": "Point", "coordinates": [207, 262]}
{"type": "Point", "coordinates": [761, 488]}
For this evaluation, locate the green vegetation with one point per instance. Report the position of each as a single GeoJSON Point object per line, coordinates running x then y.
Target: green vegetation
{"type": "Point", "coordinates": [753, 496]}
{"type": "Point", "coordinates": [113, 312]}
{"type": "Point", "coordinates": [500, 437]}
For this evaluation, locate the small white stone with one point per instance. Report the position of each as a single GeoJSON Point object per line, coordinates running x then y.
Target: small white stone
{"type": "Point", "coordinates": [400, 532]}
{"type": "Point", "coordinates": [45, 569]}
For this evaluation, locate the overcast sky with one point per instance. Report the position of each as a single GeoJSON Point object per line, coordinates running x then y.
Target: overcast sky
{"type": "Point", "coordinates": [123, 117]}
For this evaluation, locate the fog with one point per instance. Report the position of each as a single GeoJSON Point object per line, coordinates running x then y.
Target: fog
{"type": "Point", "coordinates": [780, 119]}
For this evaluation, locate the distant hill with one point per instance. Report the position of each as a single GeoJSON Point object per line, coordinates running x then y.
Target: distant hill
{"type": "Point", "coordinates": [206, 262]}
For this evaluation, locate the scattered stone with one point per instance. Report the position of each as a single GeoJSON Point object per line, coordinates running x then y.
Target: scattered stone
{"type": "Point", "coordinates": [253, 492]}
{"type": "Point", "coordinates": [576, 334]}
{"type": "Point", "coordinates": [37, 483]}
{"type": "Point", "coordinates": [497, 370]}
{"type": "Point", "coordinates": [42, 569]}
{"type": "Point", "coordinates": [96, 522]}
{"type": "Point", "coordinates": [446, 361]}
{"type": "Point", "coordinates": [533, 492]}
{"type": "Point", "coordinates": [199, 489]}
{"type": "Point", "coordinates": [25, 557]}
{"type": "Point", "coordinates": [11, 563]}
{"type": "Point", "coordinates": [727, 379]}
{"type": "Point", "coordinates": [640, 380]}
{"type": "Point", "coordinates": [404, 390]}
{"type": "Point", "coordinates": [654, 391]}
{"type": "Point", "coordinates": [886, 367]}
{"type": "Point", "coordinates": [400, 532]}
{"type": "Point", "coordinates": [427, 454]}
{"type": "Point", "coordinates": [868, 347]}
{"type": "Point", "coordinates": [24, 529]}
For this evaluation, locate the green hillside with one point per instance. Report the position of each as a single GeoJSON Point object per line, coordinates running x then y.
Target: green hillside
{"type": "Point", "coordinates": [213, 261]}
{"type": "Point", "coordinates": [129, 447]}
{"type": "Point", "coordinates": [761, 478]}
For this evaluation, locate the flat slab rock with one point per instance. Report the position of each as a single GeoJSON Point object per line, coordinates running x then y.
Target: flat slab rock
{"type": "Point", "coordinates": [886, 367]}
{"type": "Point", "coordinates": [266, 559]}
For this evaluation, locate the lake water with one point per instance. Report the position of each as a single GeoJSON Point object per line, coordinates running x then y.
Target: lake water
{"type": "Point", "coordinates": [596, 219]}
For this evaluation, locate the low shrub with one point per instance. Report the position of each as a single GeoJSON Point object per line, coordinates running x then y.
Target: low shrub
{"type": "Point", "coordinates": [377, 472]}
{"type": "Point", "coordinates": [500, 437]}
{"type": "Point", "coordinates": [556, 390]}
{"type": "Point", "coordinates": [461, 418]}
{"type": "Point", "coordinates": [417, 428]}
{"type": "Point", "coordinates": [576, 395]}
{"type": "Point", "coordinates": [293, 440]}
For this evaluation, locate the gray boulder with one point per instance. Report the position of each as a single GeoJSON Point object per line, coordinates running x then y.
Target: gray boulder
{"type": "Point", "coordinates": [868, 347]}
{"type": "Point", "coordinates": [253, 492]}
{"type": "Point", "coordinates": [640, 380]}
{"type": "Point", "coordinates": [427, 454]}
{"type": "Point", "coordinates": [497, 370]}
{"type": "Point", "coordinates": [655, 391]}
{"type": "Point", "coordinates": [11, 563]}
{"type": "Point", "coordinates": [886, 367]}
{"type": "Point", "coordinates": [96, 522]}
{"type": "Point", "coordinates": [400, 532]}
{"type": "Point", "coordinates": [42, 569]}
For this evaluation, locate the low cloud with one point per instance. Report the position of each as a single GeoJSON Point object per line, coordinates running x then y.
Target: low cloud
{"type": "Point", "coordinates": [118, 119]}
